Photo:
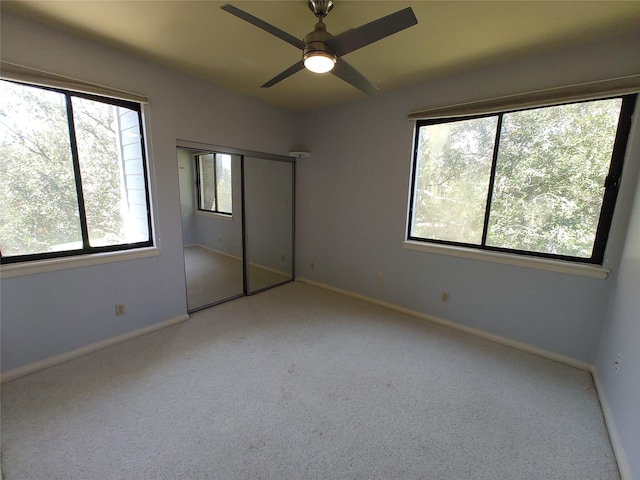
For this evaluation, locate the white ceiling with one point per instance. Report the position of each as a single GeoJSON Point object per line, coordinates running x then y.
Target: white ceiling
{"type": "Point", "coordinates": [199, 38]}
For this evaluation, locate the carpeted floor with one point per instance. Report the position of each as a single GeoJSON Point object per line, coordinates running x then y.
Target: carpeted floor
{"type": "Point", "coordinates": [302, 383]}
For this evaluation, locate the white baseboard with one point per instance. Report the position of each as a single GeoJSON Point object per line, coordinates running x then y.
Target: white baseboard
{"type": "Point", "coordinates": [235, 257]}
{"type": "Point", "coordinates": [614, 436]}
{"type": "Point", "coordinates": [456, 326]}
{"type": "Point", "coordinates": [219, 252]}
{"type": "Point", "coordinates": [94, 347]}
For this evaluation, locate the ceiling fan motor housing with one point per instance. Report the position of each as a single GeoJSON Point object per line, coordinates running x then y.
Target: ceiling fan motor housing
{"type": "Point", "coordinates": [314, 42]}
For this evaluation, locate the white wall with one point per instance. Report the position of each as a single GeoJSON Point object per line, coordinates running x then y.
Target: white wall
{"type": "Point", "coordinates": [51, 313]}
{"type": "Point", "coordinates": [352, 204]}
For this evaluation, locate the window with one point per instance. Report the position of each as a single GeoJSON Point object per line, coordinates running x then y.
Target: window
{"type": "Point", "coordinates": [540, 182]}
{"type": "Point", "coordinates": [214, 182]}
{"type": "Point", "coordinates": [74, 178]}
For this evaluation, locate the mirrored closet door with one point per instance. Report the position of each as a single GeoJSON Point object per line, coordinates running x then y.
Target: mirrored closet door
{"type": "Point", "coordinates": [268, 222]}
{"type": "Point", "coordinates": [237, 222]}
{"type": "Point", "coordinates": [211, 206]}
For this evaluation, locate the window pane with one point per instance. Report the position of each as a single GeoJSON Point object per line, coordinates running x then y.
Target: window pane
{"type": "Point", "coordinates": [223, 171]}
{"type": "Point", "coordinates": [207, 182]}
{"type": "Point", "coordinates": [550, 173]}
{"type": "Point", "coordinates": [112, 170]}
{"type": "Point", "coordinates": [452, 178]}
{"type": "Point", "coordinates": [38, 202]}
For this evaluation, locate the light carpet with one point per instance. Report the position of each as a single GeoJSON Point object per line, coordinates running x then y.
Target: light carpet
{"type": "Point", "coordinates": [302, 383]}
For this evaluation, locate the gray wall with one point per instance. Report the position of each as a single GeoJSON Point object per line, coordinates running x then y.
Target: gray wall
{"type": "Point", "coordinates": [621, 335]}
{"type": "Point", "coordinates": [56, 312]}
{"type": "Point", "coordinates": [352, 205]}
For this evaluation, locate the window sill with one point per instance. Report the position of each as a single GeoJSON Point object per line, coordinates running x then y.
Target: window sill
{"type": "Point", "coordinates": [592, 271]}
{"type": "Point", "coordinates": [50, 265]}
{"type": "Point", "coordinates": [224, 216]}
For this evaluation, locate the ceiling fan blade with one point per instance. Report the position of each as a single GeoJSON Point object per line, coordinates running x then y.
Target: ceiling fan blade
{"type": "Point", "coordinates": [287, 73]}
{"type": "Point", "coordinates": [371, 32]}
{"type": "Point", "coordinates": [350, 75]}
{"type": "Point", "coordinates": [247, 17]}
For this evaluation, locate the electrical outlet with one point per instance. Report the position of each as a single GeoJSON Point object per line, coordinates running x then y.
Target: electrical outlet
{"type": "Point", "coordinates": [380, 281]}
{"type": "Point", "coordinates": [445, 297]}
{"type": "Point", "coordinates": [617, 363]}
{"type": "Point", "coordinates": [119, 309]}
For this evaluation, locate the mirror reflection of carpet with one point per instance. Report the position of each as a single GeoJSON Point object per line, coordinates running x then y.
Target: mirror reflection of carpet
{"type": "Point", "coordinates": [213, 277]}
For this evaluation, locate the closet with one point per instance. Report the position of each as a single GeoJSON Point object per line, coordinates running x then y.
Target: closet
{"type": "Point", "coordinates": [237, 212]}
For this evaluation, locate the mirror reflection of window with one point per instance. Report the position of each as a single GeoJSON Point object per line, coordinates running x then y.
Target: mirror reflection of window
{"type": "Point", "coordinates": [214, 183]}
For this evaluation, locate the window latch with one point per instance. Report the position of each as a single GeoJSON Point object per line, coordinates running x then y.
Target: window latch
{"type": "Point", "coordinates": [612, 181]}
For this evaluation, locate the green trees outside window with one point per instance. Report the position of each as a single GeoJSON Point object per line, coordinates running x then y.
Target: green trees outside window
{"type": "Point", "coordinates": [73, 174]}
{"type": "Point", "coordinates": [539, 182]}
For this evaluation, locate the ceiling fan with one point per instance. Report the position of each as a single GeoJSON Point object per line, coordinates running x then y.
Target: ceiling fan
{"type": "Point", "coordinates": [322, 52]}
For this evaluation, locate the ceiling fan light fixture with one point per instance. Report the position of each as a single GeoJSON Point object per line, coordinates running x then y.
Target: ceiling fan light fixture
{"type": "Point", "coordinates": [319, 61]}
{"type": "Point", "coordinates": [321, 50]}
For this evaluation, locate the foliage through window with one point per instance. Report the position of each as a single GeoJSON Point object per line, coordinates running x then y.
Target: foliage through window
{"type": "Point", "coordinates": [214, 182]}
{"type": "Point", "coordinates": [539, 182]}
{"type": "Point", "coordinates": [73, 172]}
